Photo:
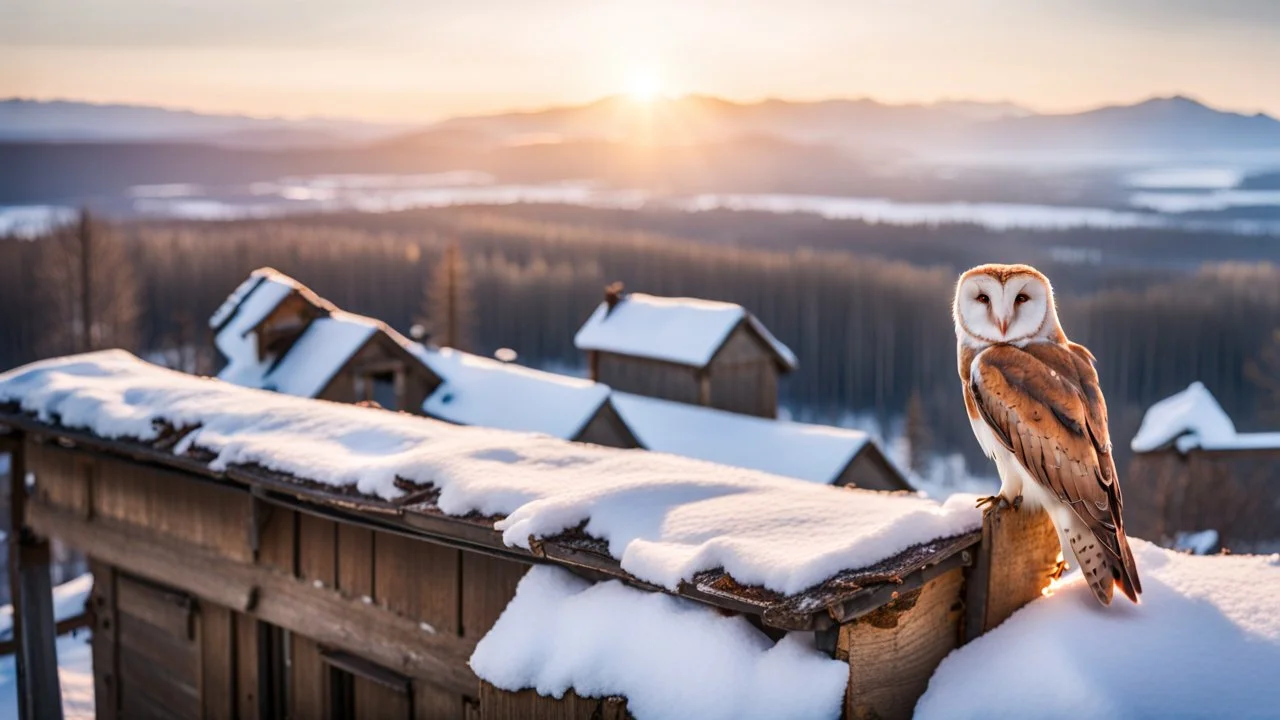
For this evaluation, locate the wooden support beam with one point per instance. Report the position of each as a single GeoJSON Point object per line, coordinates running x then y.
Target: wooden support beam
{"type": "Point", "coordinates": [893, 651]}
{"type": "Point", "coordinates": [1017, 555]}
{"type": "Point", "coordinates": [34, 629]}
{"type": "Point", "coordinates": [320, 613]}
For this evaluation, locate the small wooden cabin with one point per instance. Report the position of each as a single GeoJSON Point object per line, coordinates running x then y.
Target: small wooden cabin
{"type": "Point", "coordinates": [692, 351]}
{"type": "Point", "coordinates": [276, 334]}
{"type": "Point", "coordinates": [816, 453]}
{"type": "Point", "coordinates": [1191, 471]}
{"type": "Point", "coordinates": [238, 591]}
{"type": "Point", "coordinates": [488, 393]}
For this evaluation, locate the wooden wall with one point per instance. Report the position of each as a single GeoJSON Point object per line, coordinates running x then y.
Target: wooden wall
{"type": "Point", "coordinates": [651, 378]}
{"type": "Point", "coordinates": [1235, 493]}
{"type": "Point", "coordinates": [744, 375]}
{"type": "Point", "coordinates": [607, 428]}
{"type": "Point", "coordinates": [870, 470]}
{"type": "Point", "coordinates": [416, 381]}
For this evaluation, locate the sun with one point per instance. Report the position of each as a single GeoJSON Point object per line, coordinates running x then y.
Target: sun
{"type": "Point", "coordinates": [645, 85]}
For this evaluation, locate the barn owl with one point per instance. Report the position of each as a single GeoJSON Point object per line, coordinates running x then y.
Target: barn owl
{"type": "Point", "coordinates": [1037, 410]}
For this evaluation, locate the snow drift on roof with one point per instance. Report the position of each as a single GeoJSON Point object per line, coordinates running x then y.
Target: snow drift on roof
{"type": "Point", "coordinates": [686, 331]}
{"type": "Point", "coordinates": [670, 657]}
{"type": "Point", "coordinates": [663, 517]}
{"type": "Point", "coordinates": [808, 452]}
{"type": "Point", "coordinates": [1193, 419]}
{"type": "Point", "coordinates": [1205, 642]}
{"type": "Point", "coordinates": [259, 296]}
{"type": "Point", "coordinates": [313, 360]}
{"type": "Point", "coordinates": [488, 393]}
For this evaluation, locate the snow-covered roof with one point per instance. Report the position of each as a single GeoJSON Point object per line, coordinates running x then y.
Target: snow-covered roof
{"type": "Point", "coordinates": [488, 393]}
{"type": "Point", "coordinates": [311, 362]}
{"type": "Point", "coordinates": [1193, 419]}
{"type": "Point", "coordinates": [1204, 643]}
{"type": "Point", "coordinates": [663, 518]}
{"type": "Point", "coordinates": [686, 331]}
{"type": "Point", "coordinates": [670, 657]}
{"type": "Point", "coordinates": [808, 452]}
{"type": "Point", "coordinates": [243, 311]}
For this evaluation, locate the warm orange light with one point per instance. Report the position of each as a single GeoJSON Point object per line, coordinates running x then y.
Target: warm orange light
{"type": "Point", "coordinates": [645, 85]}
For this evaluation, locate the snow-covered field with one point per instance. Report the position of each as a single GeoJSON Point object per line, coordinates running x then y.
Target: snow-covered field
{"type": "Point", "coordinates": [1204, 643]}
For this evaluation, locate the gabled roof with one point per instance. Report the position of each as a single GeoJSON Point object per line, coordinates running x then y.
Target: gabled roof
{"type": "Point", "coordinates": [487, 393]}
{"type": "Point", "coordinates": [808, 452]}
{"type": "Point", "coordinates": [1193, 419]}
{"type": "Point", "coordinates": [254, 299]}
{"type": "Point", "coordinates": [685, 331]}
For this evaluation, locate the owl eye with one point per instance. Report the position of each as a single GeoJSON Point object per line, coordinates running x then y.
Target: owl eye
{"type": "Point", "coordinates": [1021, 298]}
{"type": "Point", "coordinates": [982, 298]}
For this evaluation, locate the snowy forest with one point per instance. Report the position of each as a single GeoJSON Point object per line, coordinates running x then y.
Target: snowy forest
{"type": "Point", "coordinates": [865, 307]}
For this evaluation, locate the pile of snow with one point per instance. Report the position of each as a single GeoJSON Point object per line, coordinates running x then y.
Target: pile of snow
{"type": "Point", "coordinates": [1193, 419]}
{"type": "Point", "coordinates": [75, 656]}
{"type": "Point", "coordinates": [480, 391]}
{"type": "Point", "coordinates": [664, 518]}
{"type": "Point", "coordinates": [1197, 543]}
{"type": "Point", "coordinates": [686, 331]}
{"type": "Point", "coordinates": [69, 600]}
{"type": "Point", "coordinates": [1205, 642]}
{"type": "Point", "coordinates": [808, 452]}
{"type": "Point", "coordinates": [670, 657]}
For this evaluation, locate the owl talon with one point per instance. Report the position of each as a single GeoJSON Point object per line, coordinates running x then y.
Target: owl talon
{"type": "Point", "coordinates": [1058, 570]}
{"type": "Point", "coordinates": [992, 502]}
{"type": "Point", "coordinates": [1017, 503]}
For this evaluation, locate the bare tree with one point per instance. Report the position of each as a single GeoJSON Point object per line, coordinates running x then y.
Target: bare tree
{"type": "Point", "coordinates": [919, 436]}
{"type": "Point", "coordinates": [1264, 372]}
{"type": "Point", "coordinates": [449, 308]}
{"type": "Point", "coordinates": [88, 288]}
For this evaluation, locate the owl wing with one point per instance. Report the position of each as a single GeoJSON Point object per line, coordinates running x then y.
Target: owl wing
{"type": "Point", "coordinates": [1044, 404]}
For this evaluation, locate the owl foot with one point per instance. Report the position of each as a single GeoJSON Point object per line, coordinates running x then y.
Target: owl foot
{"type": "Point", "coordinates": [1058, 570]}
{"type": "Point", "coordinates": [1017, 503]}
{"type": "Point", "coordinates": [992, 502]}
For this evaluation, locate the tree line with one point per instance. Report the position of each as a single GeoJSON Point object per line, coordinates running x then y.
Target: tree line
{"type": "Point", "coordinates": [872, 332]}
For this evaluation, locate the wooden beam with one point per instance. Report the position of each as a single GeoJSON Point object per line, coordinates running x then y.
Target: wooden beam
{"type": "Point", "coordinates": [1013, 564]}
{"type": "Point", "coordinates": [320, 613]}
{"type": "Point", "coordinates": [34, 629]}
{"type": "Point", "coordinates": [893, 651]}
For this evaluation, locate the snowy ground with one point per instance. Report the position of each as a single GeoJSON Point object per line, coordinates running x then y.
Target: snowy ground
{"type": "Point", "coordinates": [75, 657]}
{"type": "Point", "coordinates": [1205, 642]}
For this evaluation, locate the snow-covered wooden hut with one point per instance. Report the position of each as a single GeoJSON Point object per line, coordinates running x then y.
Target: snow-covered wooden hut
{"type": "Point", "coordinates": [260, 555]}
{"type": "Point", "coordinates": [276, 334]}
{"type": "Point", "coordinates": [692, 351]}
{"type": "Point", "coordinates": [488, 393]}
{"type": "Point", "coordinates": [817, 453]}
{"type": "Point", "coordinates": [1192, 471]}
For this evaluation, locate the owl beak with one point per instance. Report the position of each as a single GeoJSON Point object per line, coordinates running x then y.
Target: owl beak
{"type": "Point", "coordinates": [1004, 326]}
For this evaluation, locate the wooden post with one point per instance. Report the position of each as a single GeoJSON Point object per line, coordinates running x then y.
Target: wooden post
{"type": "Point", "coordinates": [1014, 562]}
{"type": "Point", "coordinates": [893, 651]}
{"type": "Point", "coordinates": [34, 630]}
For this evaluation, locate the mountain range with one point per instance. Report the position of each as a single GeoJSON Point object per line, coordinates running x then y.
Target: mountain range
{"type": "Point", "coordinates": [867, 127]}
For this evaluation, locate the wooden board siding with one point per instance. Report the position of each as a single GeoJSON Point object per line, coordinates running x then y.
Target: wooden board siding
{"type": "Point", "coordinates": [488, 584]}
{"type": "Point", "coordinates": [282, 327]}
{"type": "Point", "coordinates": [217, 661]}
{"type": "Point", "coordinates": [159, 652]}
{"type": "Point", "coordinates": [420, 581]}
{"type": "Point", "coordinates": [871, 470]}
{"type": "Point", "coordinates": [607, 428]}
{"type": "Point", "coordinates": [893, 651]}
{"type": "Point", "coordinates": [169, 503]}
{"type": "Point", "coordinates": [744, 375]}
{"type": "Point", "coordinates": [651, 378]}
{"type": "Point", "coordinates": [417, 380]}
{"type": "Point", "coordinates": [246, 666]}
{"type": "Point", "coordinates": [105, 640]}
{"type": "Point", "coordinates": [1236, 493]}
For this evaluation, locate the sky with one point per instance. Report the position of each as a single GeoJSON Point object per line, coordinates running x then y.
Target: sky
{"type": "Point", "coordinates": [419, 60]}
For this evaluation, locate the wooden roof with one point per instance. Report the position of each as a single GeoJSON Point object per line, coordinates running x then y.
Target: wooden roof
{"type": "Point", "coordinates": [845, 596]}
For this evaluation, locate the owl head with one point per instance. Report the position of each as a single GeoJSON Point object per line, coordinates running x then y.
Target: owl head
{"type": "Point", "coordinates": [1004, 304]}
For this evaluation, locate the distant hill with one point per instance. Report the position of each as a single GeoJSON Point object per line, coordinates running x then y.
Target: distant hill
{"type": "Point", "coordinates": [68, 121]}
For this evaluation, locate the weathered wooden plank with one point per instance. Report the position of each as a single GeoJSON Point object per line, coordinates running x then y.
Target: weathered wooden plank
{"type": "Point", "coordinates": [31, 590]}
{"type": "Point", "coordinates": [277, 539]}
{"type": "Point", "coordinates": [148, 684]}
{"type": "Point", "coordinates": [144, 641]}
{"type": "Point", "coordinates": [217, 662]}
{"type": "Point", "coordinates": [498, 704]}
{"type": "Point", "coordinates": [309, 686]}
{"type": "Point", "coordinates": [106, 676]}
{"type": "Point", "coordinates": [317, 550]}
{"type": "Point", "coordinates": [893, 651]}
{"type": "Point", "coordinates": [355, 561]}
{"type": "Point", "coordinates": [374, 700]}
{"type": "Point", "coordinates": [488, 584]}
{"type": "Point", "coordinates": [393, 640]}
{"type": "Point", "coordinates": [1013, 564]}
{"type": "Point", "coordinates": [420, 581]}
{"type": "Point", "coordinates": [165, 609]}
{"type": "Point", "coordinates": [246, 659]}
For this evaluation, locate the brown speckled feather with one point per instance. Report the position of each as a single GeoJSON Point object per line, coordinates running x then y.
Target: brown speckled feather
{"type": "Point", "coordinates": [1043, 402]}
